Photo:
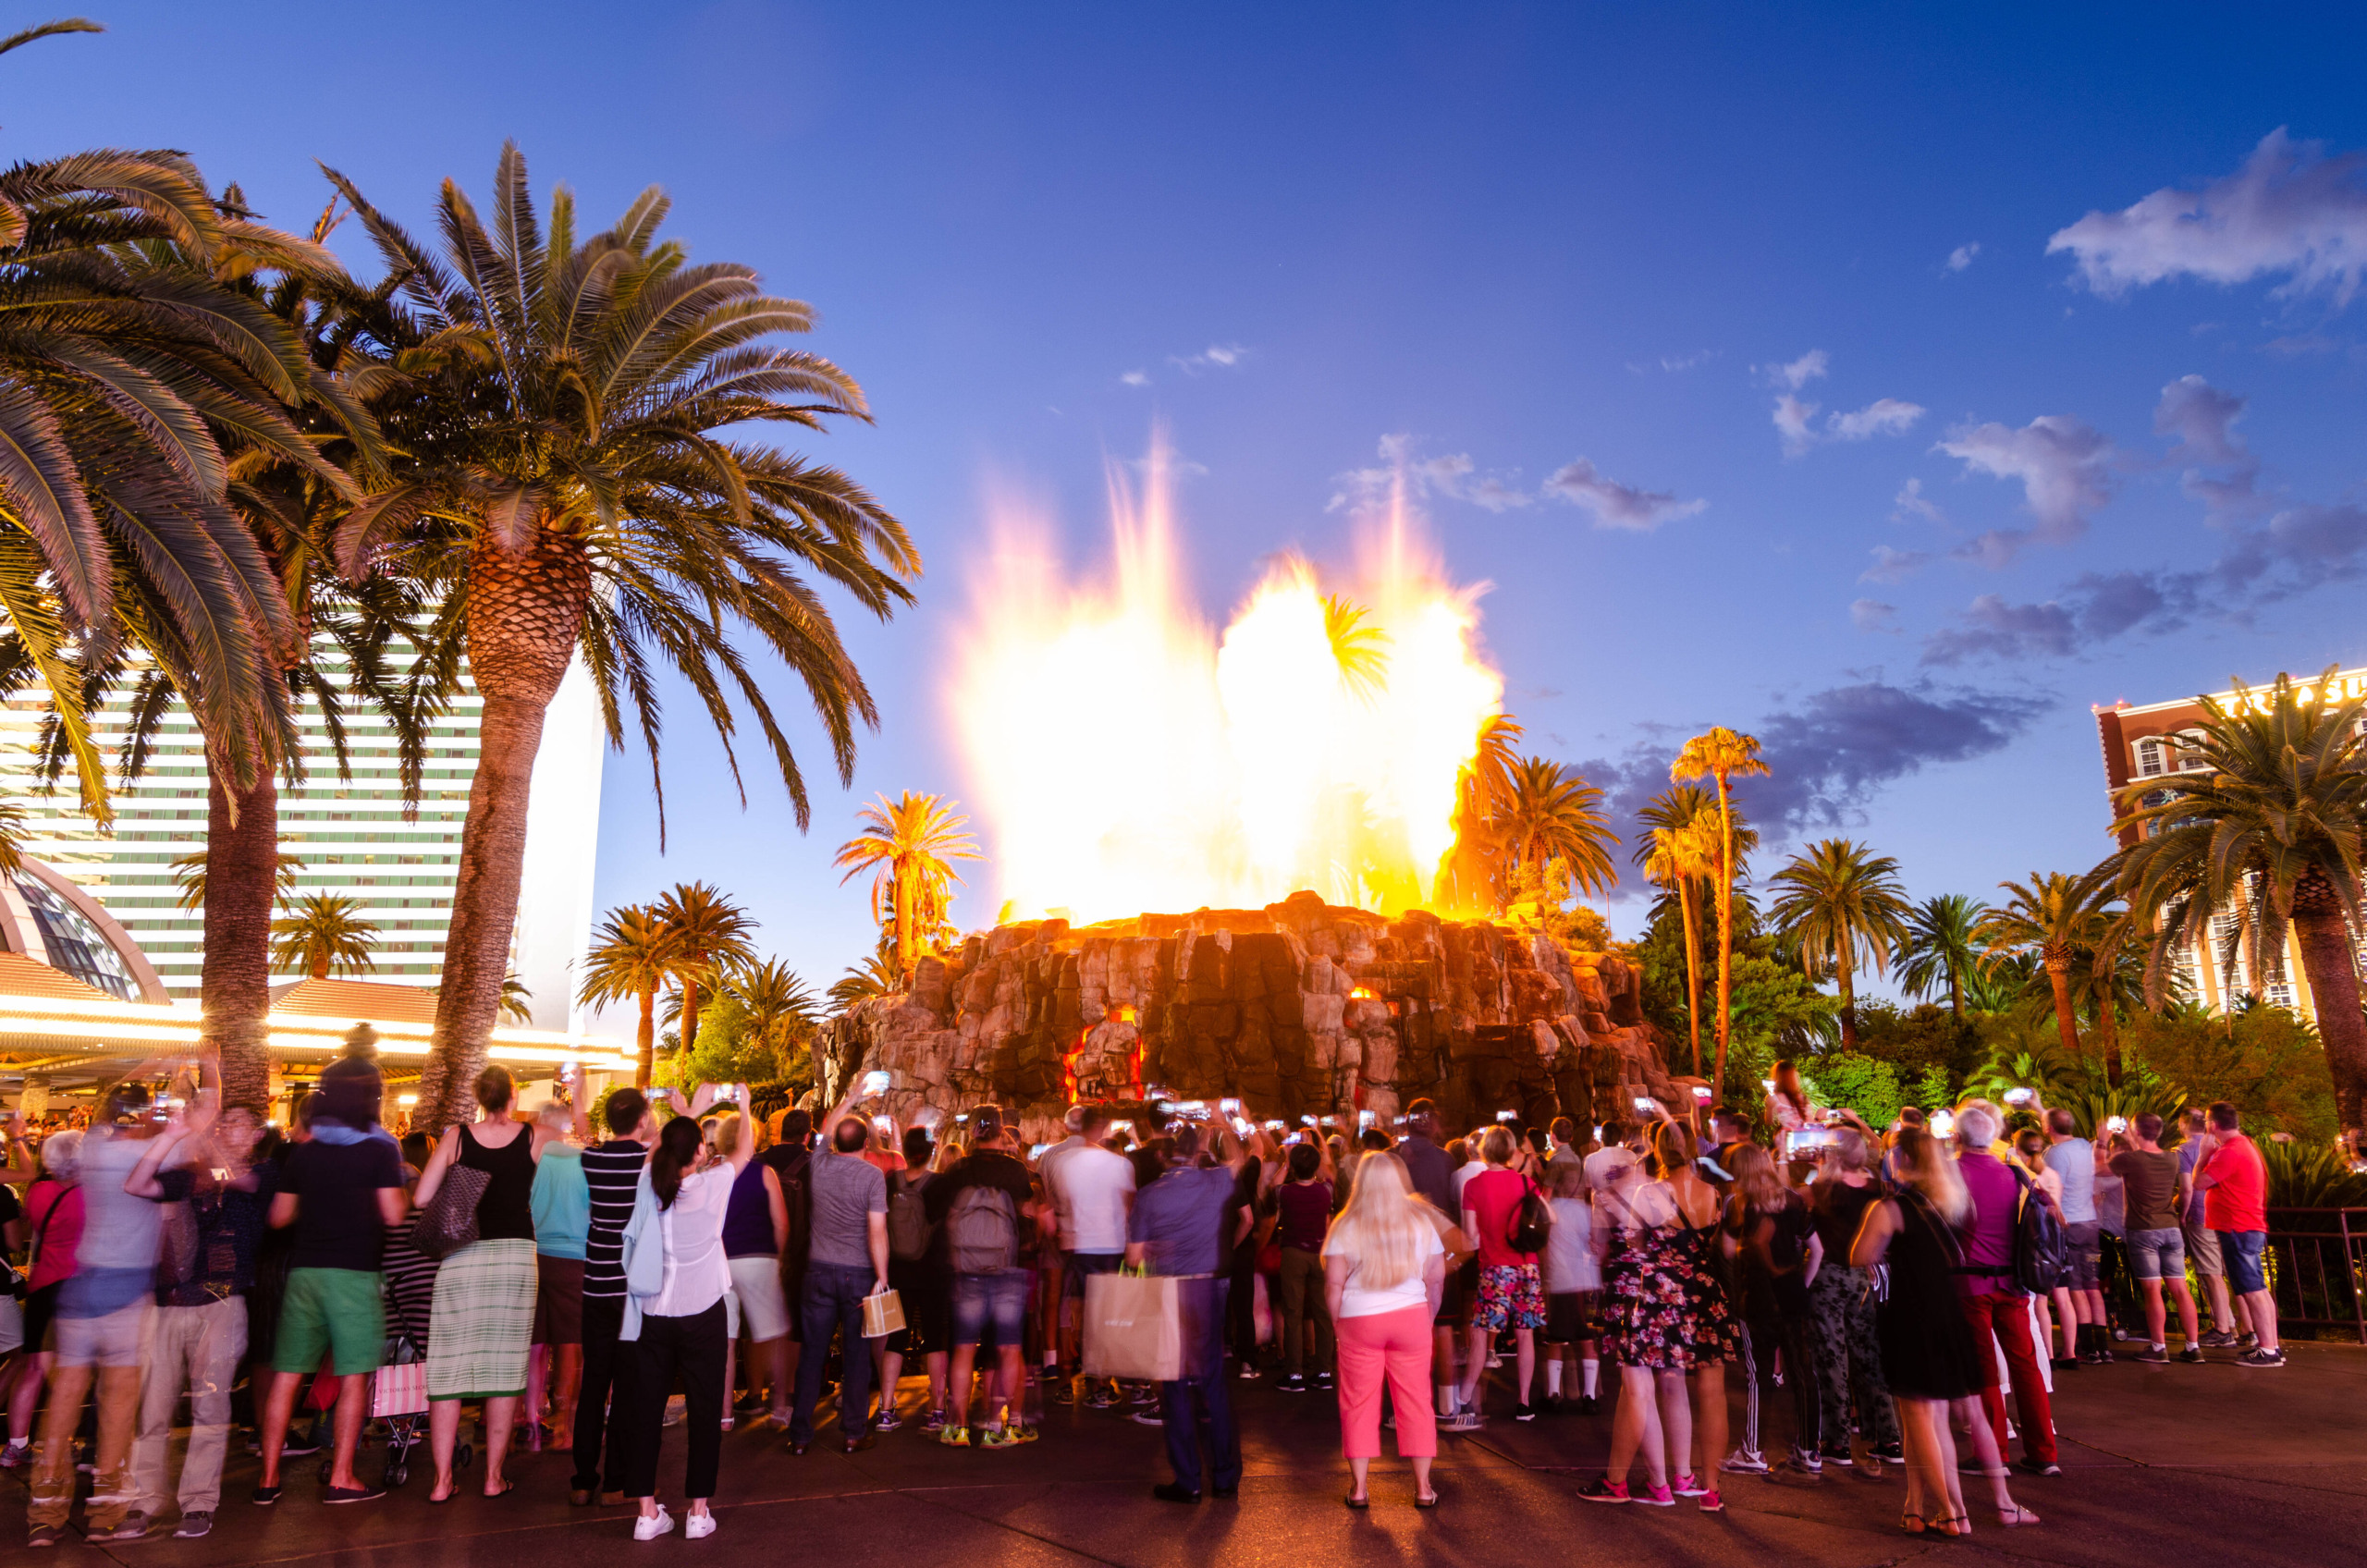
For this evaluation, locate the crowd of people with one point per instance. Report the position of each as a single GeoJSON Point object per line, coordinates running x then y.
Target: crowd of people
{"type": "Point", "coordinates": [686, 1263]}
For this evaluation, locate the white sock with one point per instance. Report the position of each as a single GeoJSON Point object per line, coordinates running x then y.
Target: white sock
{"type": "Point", "coordinates": [1593, 1370]}
{"type": "Point", "coordinates": [1553, 1378]}
{"type": "Point", "coordinates": [1446, 1399]}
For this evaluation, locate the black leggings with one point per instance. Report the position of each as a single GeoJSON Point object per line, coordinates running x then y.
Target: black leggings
{"type": "Point", "coordinates": [692, 1347]}
{"type": "Point", "coordinates": [1797, 1338]}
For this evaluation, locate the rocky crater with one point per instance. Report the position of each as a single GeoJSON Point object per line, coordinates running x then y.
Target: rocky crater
{"type": "Point", "coordinates": [1299, 1009]}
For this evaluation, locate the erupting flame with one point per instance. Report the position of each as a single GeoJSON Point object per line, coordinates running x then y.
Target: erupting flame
{"type": "Point", "coordinates": [1125, 758]}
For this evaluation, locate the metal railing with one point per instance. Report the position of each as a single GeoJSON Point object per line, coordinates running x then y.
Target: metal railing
{"type": "Point", "coordinates": [2317, 1269]}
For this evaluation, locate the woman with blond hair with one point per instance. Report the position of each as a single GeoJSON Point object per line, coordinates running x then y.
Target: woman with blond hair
{"type": "Point", "coordinates": [1384, 1275]}
{"type": "Point", "coordinates": [1930, 1358]}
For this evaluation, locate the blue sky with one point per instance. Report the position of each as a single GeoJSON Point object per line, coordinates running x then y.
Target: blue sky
{"type": "Point", "coordinates": [1571, 257]}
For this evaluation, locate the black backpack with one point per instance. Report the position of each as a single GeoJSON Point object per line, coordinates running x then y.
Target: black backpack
{"type": "Point", "coordinates": [1532, 1223]}
{"type": "Point", "coordinates": [2041, 1248]}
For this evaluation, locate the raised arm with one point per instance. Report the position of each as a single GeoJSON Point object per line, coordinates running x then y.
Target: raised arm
{"type": "Point", "coordinates": [447, 1149]}
{"type": "Point", "coordinates": [142, 1183]}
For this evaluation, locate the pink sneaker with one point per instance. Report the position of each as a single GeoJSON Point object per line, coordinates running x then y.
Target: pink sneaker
{"type": "Point", "coordinates": [1689, 1486]}
{"type": "Point", "coordinates": [1658, 1497]}
{"type": "Point", "coordinates": [1713, 1503]}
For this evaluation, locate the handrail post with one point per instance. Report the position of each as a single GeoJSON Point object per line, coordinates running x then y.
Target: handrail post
{"type": "Point", "coordinates": [2350, 1264]}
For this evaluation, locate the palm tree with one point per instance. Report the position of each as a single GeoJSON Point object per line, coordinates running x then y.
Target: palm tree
{"type": "Point", "coordinates": [1470, 874]}
{"type": "Point", "coordinates": [909, 847]}
{"type": "Point", "coordinates": [569, 484]}
{"type": "Point", "coordinates": [1941, 949]}
{"type": "Point", "coordinates": [872, 977]}
{"type": "Point", "coordinates": [517, 1001]}
{"type": "Point", "coordinates": [2270, 831]}
{"type": "Point", "coordinates": [706, 938]}
{"type": "Point", "coordinates": [1551, 815]}
{"type": "Point", "coordinates": [188, 875]}
{"type": "Point", "coordinates": [324, 934]}
{"type": "Point", "coordinates": [1724, 755]}
{"type": "Point", "coordinates": [1842, 906]}
{"type": "Point", "coordinates": [778, 1006]}
{"type": "Point", "coordinates": [631, 955]}
{"type": "Point", "coordinates": [2055, 917]}
{"type": "Point", "coordinates": [1360, 650]}
{"type": "Point", "coordinates": [1681, 858]}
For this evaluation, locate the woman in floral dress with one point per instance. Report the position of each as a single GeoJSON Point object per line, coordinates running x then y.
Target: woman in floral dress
{"type": "Point", "coordinates": [1665, 1316]}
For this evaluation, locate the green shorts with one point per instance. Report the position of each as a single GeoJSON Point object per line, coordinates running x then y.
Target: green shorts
{"type": "Point", "coordinates": [330, 1312]}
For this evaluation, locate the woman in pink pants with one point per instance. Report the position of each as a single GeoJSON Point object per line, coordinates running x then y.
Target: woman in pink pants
{"type": "Point", "coordinates": [1384, 1272]}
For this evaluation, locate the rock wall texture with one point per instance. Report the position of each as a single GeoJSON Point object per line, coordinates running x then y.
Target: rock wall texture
{"type": "Point", "coordinates": [1299, 1009]}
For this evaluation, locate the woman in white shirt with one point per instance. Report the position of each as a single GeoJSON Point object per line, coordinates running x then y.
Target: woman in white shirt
{"type": "Point", "coordinates": [1384, 1275]}
{"type": "Point", "coordinates": [684, 1327]}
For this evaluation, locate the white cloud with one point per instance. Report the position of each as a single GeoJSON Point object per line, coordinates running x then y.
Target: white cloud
{"type": "Point", "coordinates": [1792, 418]}
{"type": "Point", "coordinates": [1800, 372]}
{"type": "Point", "coordinates": [2066, 469]}
{"type": "Point", "coordinates": [1616, 505]}
{"type": "Point", "coordinates": [1216, 356]}
{"type": "Point", "coordinates": [1894, 565]}
{"type": "Point", "coordinates": [1454, 477]}
{"type": "Point", "coordinates": [1872, 615]}
{"type": "Point", "coordinates": [2203, 419]}
{"type": "Point", "coordinates": [1136, 378]}
{"type": "Point", "coordinates": [1883, 416]}
{"type": "Point", "coordinates": [2291, 211]}
{"type": "Point", "coordinates": [1910, 501]}
{"type": "Point", "coordinates": [1961, 257]}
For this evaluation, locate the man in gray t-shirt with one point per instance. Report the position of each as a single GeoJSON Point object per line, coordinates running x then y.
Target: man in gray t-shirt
{"type": "Point", "coordinates": [845, 1261]}
{"type": "Point", "coordinates": [2073, 1159]}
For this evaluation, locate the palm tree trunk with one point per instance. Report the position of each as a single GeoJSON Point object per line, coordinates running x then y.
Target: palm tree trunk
{"type": "Point", "coordinates": [2324, 940]}
{"type": "Point", "coordinates": [524, 615]}
{"type": "Point", "coordinates": [2058, 975]}
{"type": "Point", "coordinates": [1956, 995]}
{"type": "Point", "coordinates": [2108, 1033]}
{"type": "Point", "coordinates": [1849, 998]}
{"type": "Point", "coordinates": [689, 1033]}
{"type": "Point", "coordinates": [1692, 969]}
{"type": "Point", "coordinates": [645, 1038]}
{"type": "Point", "coordinates": [1726, 929]}
{"type": "Point", "coordinates": [319, 968]}
{"type": "Point", "coordinates": [241, 878]}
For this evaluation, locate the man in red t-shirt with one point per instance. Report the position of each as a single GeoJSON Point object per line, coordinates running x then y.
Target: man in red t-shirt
{"type": "Point", "coordinates": [2234, 1182]}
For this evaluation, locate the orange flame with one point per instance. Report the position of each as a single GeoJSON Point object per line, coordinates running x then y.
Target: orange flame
{"type": "Point", "coordinates": [1124, 757]}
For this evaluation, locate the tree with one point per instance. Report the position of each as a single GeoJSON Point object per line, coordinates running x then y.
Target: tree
{"type": "Point", "coordinates": [632, 956]}
{"type": "Point", "coordinates": [1724, 755]}
{"type": "Point", "coordinates": [909, 847]}
{"type": "Point", "coordinates": [2268, 831]}
{"type": "Point", "coordinates": [2056, 918]}
{"type": "Point", "coordinates": [862, 981]}
{"type": "Point", "coordinates": [570, 483]}
{"type": "Point", "coordinates": [706, 938]}
{"type": "Point", "coordinates": [1842, 906]}
{"type": "Point", "coordinates": [323, 935]}
{"type": "Point", "coordinates": [517, 1001]}
{"type": "Point", "coordinates": [1471, 874]}
{"type": "Point", "coordinates": [1550, 813]}
{"type": "Point", "coordinates": [776, 1009]}
{"type": "Point", "coordinates": [1682, 855]}
{"type": "Point", "coordinates": [1361, 650]}
{"type": "Point", "coordinates": [1941, 949]}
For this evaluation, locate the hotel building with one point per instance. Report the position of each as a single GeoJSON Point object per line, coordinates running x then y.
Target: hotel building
{"type": "Point", "coordinates": [2155, 742]}
{"type": "Point", "coordinates": [350, 834]}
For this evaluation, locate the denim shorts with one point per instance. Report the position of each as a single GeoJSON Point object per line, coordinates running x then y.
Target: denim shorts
{"type": "Point", "coordinates": [2086, 1239]}
{"type": "Point", "coordinates": [991, 1308]}
{"type": "Point", "coordinates": [2157, 1254]}
{"type": "Point", "coordinates": [2242, 1250]}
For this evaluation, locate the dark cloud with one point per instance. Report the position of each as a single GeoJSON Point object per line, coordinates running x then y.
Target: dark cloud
{"type": "Point", "coordinates": [1829, 752]}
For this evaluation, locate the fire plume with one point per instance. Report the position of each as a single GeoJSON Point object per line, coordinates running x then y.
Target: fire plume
{"type": "Point", "coordinates": [1124, 755]}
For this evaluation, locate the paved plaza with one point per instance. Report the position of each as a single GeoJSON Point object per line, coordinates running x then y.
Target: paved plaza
{"type": "Point", "coordinates": [2214, 1465]}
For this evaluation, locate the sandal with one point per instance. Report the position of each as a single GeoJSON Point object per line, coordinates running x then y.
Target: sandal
{"type": "Point", "coordinates": [1430, 1501]}
{"type": "Point", "coordinates": [503, 1491]}
{"type": "Point", "coordinates": [1353, 1500]}
{"type": "Point", "coordinates": [1912, 1523]}
{"type": "Point", "coordinates": [1955, 1527]}
{"type": "Point", "coordinates": [2018, 1514]}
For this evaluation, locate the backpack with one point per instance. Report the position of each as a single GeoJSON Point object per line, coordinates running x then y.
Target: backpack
{"type": "Point", "coordinates": [2041, 1248]}
{"type": "Point", "coordinates": [909, 1230]}
{"type": "Point", "coordinates": [1532, 1223]}
{"type": "Point", "coordinates": [983, 1231]}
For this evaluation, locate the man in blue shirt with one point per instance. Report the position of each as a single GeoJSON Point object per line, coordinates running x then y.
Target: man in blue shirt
{"type": "Point", "coordinates": [1180, 1229]}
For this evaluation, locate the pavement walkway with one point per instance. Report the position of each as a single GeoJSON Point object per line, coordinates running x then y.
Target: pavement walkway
{"type": "Point", "coordinates": [2181, 1464]}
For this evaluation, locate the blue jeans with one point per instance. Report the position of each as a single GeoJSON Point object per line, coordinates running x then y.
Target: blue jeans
{"type": "Point", "coordinates": [1200, 1407]}
{"type": "Point", "coordinates": [833, 1301]}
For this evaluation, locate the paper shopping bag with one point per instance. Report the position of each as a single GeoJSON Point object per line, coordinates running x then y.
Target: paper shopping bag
{"type": "Point", "coordinates": [399, 1391]}
{"type": "Point", "coordinates": [1133, 1327]}
{"type": "Point", "coordinates": [882, 1315]}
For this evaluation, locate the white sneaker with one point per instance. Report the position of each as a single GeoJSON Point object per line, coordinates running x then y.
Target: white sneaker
{"type": "Point", "coordinates": [698, 1526]}
{"type": "Point", "coordinates": [649, 1528]}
